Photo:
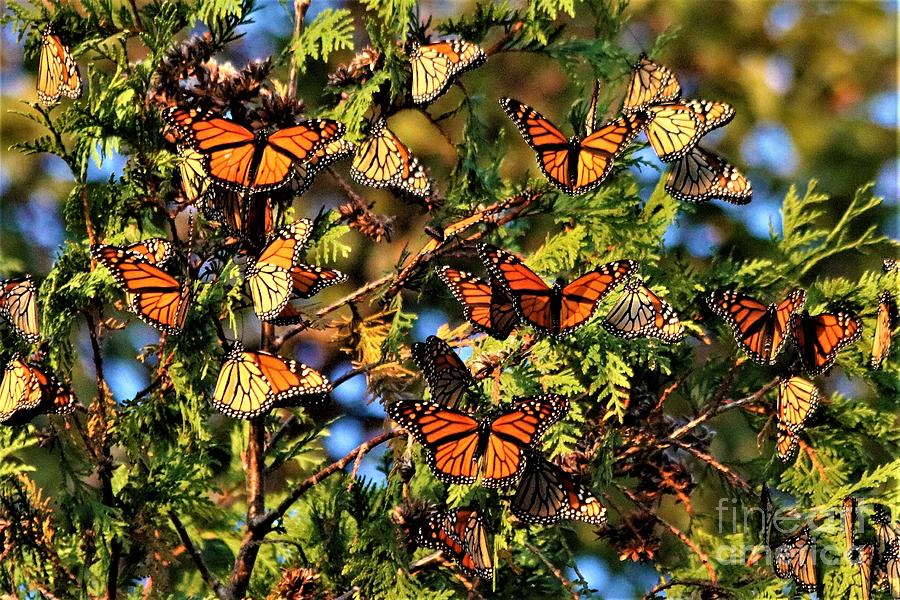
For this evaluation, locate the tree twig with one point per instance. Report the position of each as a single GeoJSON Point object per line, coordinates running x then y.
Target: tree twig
{"type": "Point", "coordinates": [208, 576]}
{"type": "Point", "coordinates": [556, 572]}
{"type": "Point", "coordinates": [715, 408]}
{"type": "Point", "coordinates": [300, 8]}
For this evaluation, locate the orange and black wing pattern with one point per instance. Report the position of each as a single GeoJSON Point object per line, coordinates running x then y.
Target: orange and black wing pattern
{"type": "Point", "coordinates": [270, 274]}
{"type": "Point", "coordinates": [819, 338]}
{"type": "Point", "coordinates": [547, 494]}
{"type": "Point", "coordinates": [574, 166]}
{"type": "Point", "coordinates": [451, 438]}
{"type": "Point", "coordinates": [325, 156]}
{"type": "Point", "coordinates": [28, 390]}
{"type": "Point", "coordinates": [514, 429]}
{"type": "Point", "coordinates": [649, 84]}
{"type": "Point", "coordinates": [798, 399]}
{"type": "Point", "coordinates": [249, 161]}
{"type": "Point", "coordinates": [639, 312]}
{"type": "Point", "coordinates": [57, 71]}
{"type": "Point", "coordinates": [309, 280]}
{"type": "Point", "coordinates": [435, 65]}
{"type": "Point", "coordinates": [461, 534]}
{"type": "Point", "coordinates": [447, 375]}
{"type": "Point", "coordinates": [486, 304]}
{"type": "Point", "coordinates": [154, 295]}
{"type": "Point", "coordinates": [19, 306]}
{"type": "Point", "coordinates": [382, 160]}
{"type": "Point", "coordinates": [796, 559]}
{"type": "Point", "coordinates": [674, 128]}
{"type": "Point", "coordinates": [759, 330]}
{"type": "Point", "coordinates": [701, 175]}
{"type": "Point", "coordinates": [885, 321]}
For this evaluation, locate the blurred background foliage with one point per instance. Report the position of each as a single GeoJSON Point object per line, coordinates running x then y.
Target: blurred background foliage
{"type": "Point", "coordinates": [814, 85]}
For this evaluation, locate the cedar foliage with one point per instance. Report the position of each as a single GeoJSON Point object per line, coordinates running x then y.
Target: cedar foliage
{"type": "Point", "coordinates": [138, 477]}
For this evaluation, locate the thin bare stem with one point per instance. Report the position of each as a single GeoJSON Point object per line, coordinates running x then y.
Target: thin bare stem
{"type": "Point", "coordinates": [715, 408]}
{"type": "Point", "coordinates": [300, 8]}
{"type": "Point", "coordinates": [556, 572]}
{"type": "Point", "coordinates": [211, 580]}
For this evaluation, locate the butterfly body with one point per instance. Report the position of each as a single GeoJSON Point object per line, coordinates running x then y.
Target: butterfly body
{"type": "Point", "coordinates": [761, 331]}
{"type": "Point", "coordinates": [573, 164]}
{"type": "Point", "coordinates": [459, 446]}
{"type": "Point", "coordinates": [558, 310]}
{"type": "Point", "coordinates": [462, 535]}
{"type": "Point", "coordinates": [819, 338]}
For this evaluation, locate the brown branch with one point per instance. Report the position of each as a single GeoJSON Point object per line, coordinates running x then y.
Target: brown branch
{"type": "Point", "coordinates": [300, 8]}
{"type": "Point", "coordinates": [498, 46]}
{"type": "Point", "coordinates": [704, 558]}
{"type": "Point", "coordinates": [208, 576]}
{"type": "Point", "coordinates": [715, 464]}
{"type": "Point", "coordinates": [811, 453]}
{"type": "Point", "coordinates": [556, 572]}
{"type": "Point", "coordinates": [262, 525]}
{"type": "Point", "coordinates": [700, 583]}
{"type": "Point", "coordinates": [715, 408]}
{"type": "Point", "coordinates": [88, 223]}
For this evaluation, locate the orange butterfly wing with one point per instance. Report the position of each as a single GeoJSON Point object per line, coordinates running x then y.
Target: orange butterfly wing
{"type": "Point", "coordinates": [581, 298]}
{"type": "Point", "coordinates": [518, 427]}
{"type": "Point", "coordinates": [794, 302]}
{"type": "Point", "coordinates": [884, 320]}
{"type": "Point", "coordinates": [758, 329]}
{"type": "Point", "coordinates": [531, 295]}
{"type": "Point", "coordinates": [547, 494]}
{"type": "Point", "coordinates": [447, 375]}
{"type": "Point", "coordinates": [551, 147]}
{"type": "Point", "coordinates": [598, 151]}
{"type": "Point", "coordinates": [485, 304]}
{"type": "Point", "coordinates": [819, 338]}
{"type": "Point", "coordinates": [450, 438]}
{"type": "Point", "coordinates": [798, 398]}
{"type": "Point", "coordinates": [310, 280]}
{"type": "Point", "coordinates": [701, 175]}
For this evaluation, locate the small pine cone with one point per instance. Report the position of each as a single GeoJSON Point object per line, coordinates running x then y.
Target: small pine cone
{"type": "Point", "coordinates": [357, 70]}
{"type": "Point", "coordinates": [360, 217]}
{"type": "Point", "coordinates": [296, 584]}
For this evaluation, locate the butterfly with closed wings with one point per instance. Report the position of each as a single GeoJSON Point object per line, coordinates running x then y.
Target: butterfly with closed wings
{"type": "Point", "coordinates": [558, 310]}
{"type": "Point", "coordinates": [434, 66]}
{"type": "Point", "coordinates": [461, 534]}
{"type": "Point", "coordinates": [796, 559]}
{"type": "Point", "coordinates": [18, 305]}
{"type": "Point", "coordinates": [28, 390]}
{"type": "Point", "coordinates": [574, 165]}
{"type": "Point", "coordinates": [251, 383]}
{"type": "Point", "coordinates": [701, 175]}
{"type": "Point", "coordinates": [885, 320]}
{"type": "Point", "coordinates": [382, 160]}
{"type": "Point", "coordinates": [57, 71]}
{"type": "Point", "coordinates": [650, 83]}
{"type": "Point", "coordinates": [459, 447]}
{"type": "Point", "coordinates": [447, 375]}
{"type": "Point", "coordinates": [641, 313]}
{"type": "Point", "coordinates": [547, 494]}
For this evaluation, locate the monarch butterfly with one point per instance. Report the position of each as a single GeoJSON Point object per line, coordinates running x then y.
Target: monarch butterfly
{"type": "Point", "coordinates": [891, 565]}
{"type": "Point", "coordinates": [701, 175]}
{"type": "Point", "coordinates": [559, 310]}
{"type": "Point", "coordinates": [848, 521]}
{"type": "Point", "coordinates": [759, 330]}
{"type": "Point", "coordinates": [326, 155]}
{"type": "Point", "coordinates": [447, 375]}
{"type": "Point", "coordinates": [547, 494]}
{"type": "Point", "coordinates": [885, 320]}
{"type": "Point", "coordinates": [27, 390]}
{"type": "Point", "coordinates": [786, 443]}
{"type": "Point", "coordinates": [573, 165]}
{"type": "Point", "coordinates": [251, 383]}
{"type": "Point", "coordinates": [673, 129]}
{"type": "Point", "coordinates": [890, 264]}
{"type": "Point", "coordinates": [18, 305]}
{"type": "Point", "coordinates": [247, 216]}
{"type": "Point", "coordinates": [154, 250]}
{"type": "Point", "coordinates": [382, 160]}
{"type": "Point", "coordinates": [57, 71]}
{"type": "Point", "coordinates": [269, 275]}
{"type": "Point", "coordinates": [640, 312]}
{"type": "Point", "coordinates": [885, 532]}
{"type": "Point", "coordinates": [154, 295]}
{"type": "Point", "coordinates": [461, 534]}
{"type": "Point", "coordinates": [435, 65]}
{"type": "Point", "coordinates": [650, 83]}
{"type": "Point", "coordinates": [486, 305]}
{"type": "Point", "coordinates": [796, 559]}
{"type": "Point", "coordinates": [821, 337]}
{"type": "Point", "coordinates": [459, 447]}
{"type": "Point", "coordinates": [797, 400]}
{"type": "Point", "coordinates": [194, 181]}
{"type": "Point", "coordinates": [864, 558]}
{"type": "Point", "coordinates": [246, 161]}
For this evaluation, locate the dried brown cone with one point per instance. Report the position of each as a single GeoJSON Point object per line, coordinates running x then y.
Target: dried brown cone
{"type": "Point", "coordinates": [296, 584]}
{"type": "Point", "coordinates": [357, 70]}
{"type": "Point", "coordinates": [359, 216]}
{"type": "Point", "coordinates": [635, 539]}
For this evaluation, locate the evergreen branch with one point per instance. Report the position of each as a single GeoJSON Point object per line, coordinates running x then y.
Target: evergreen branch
{"type": "Point", "coordinates": [714, 409]}
{"type": "Point", "coordinates": [556, 572]}
{"type": "Point", "coordinates": [300, 8]}
{"type": "Point", "coordinates": [715, 464]}
{"type": "Point", "coordinates": [208, 576]}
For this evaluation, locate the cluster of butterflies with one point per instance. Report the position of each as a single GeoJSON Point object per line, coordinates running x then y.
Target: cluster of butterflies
{"type": "Point", "coordinates": [762, 331]}
{"type": "Point", "coordinates": [878, 559]}
{"type": "Point", "coordinates": [515, 294]}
